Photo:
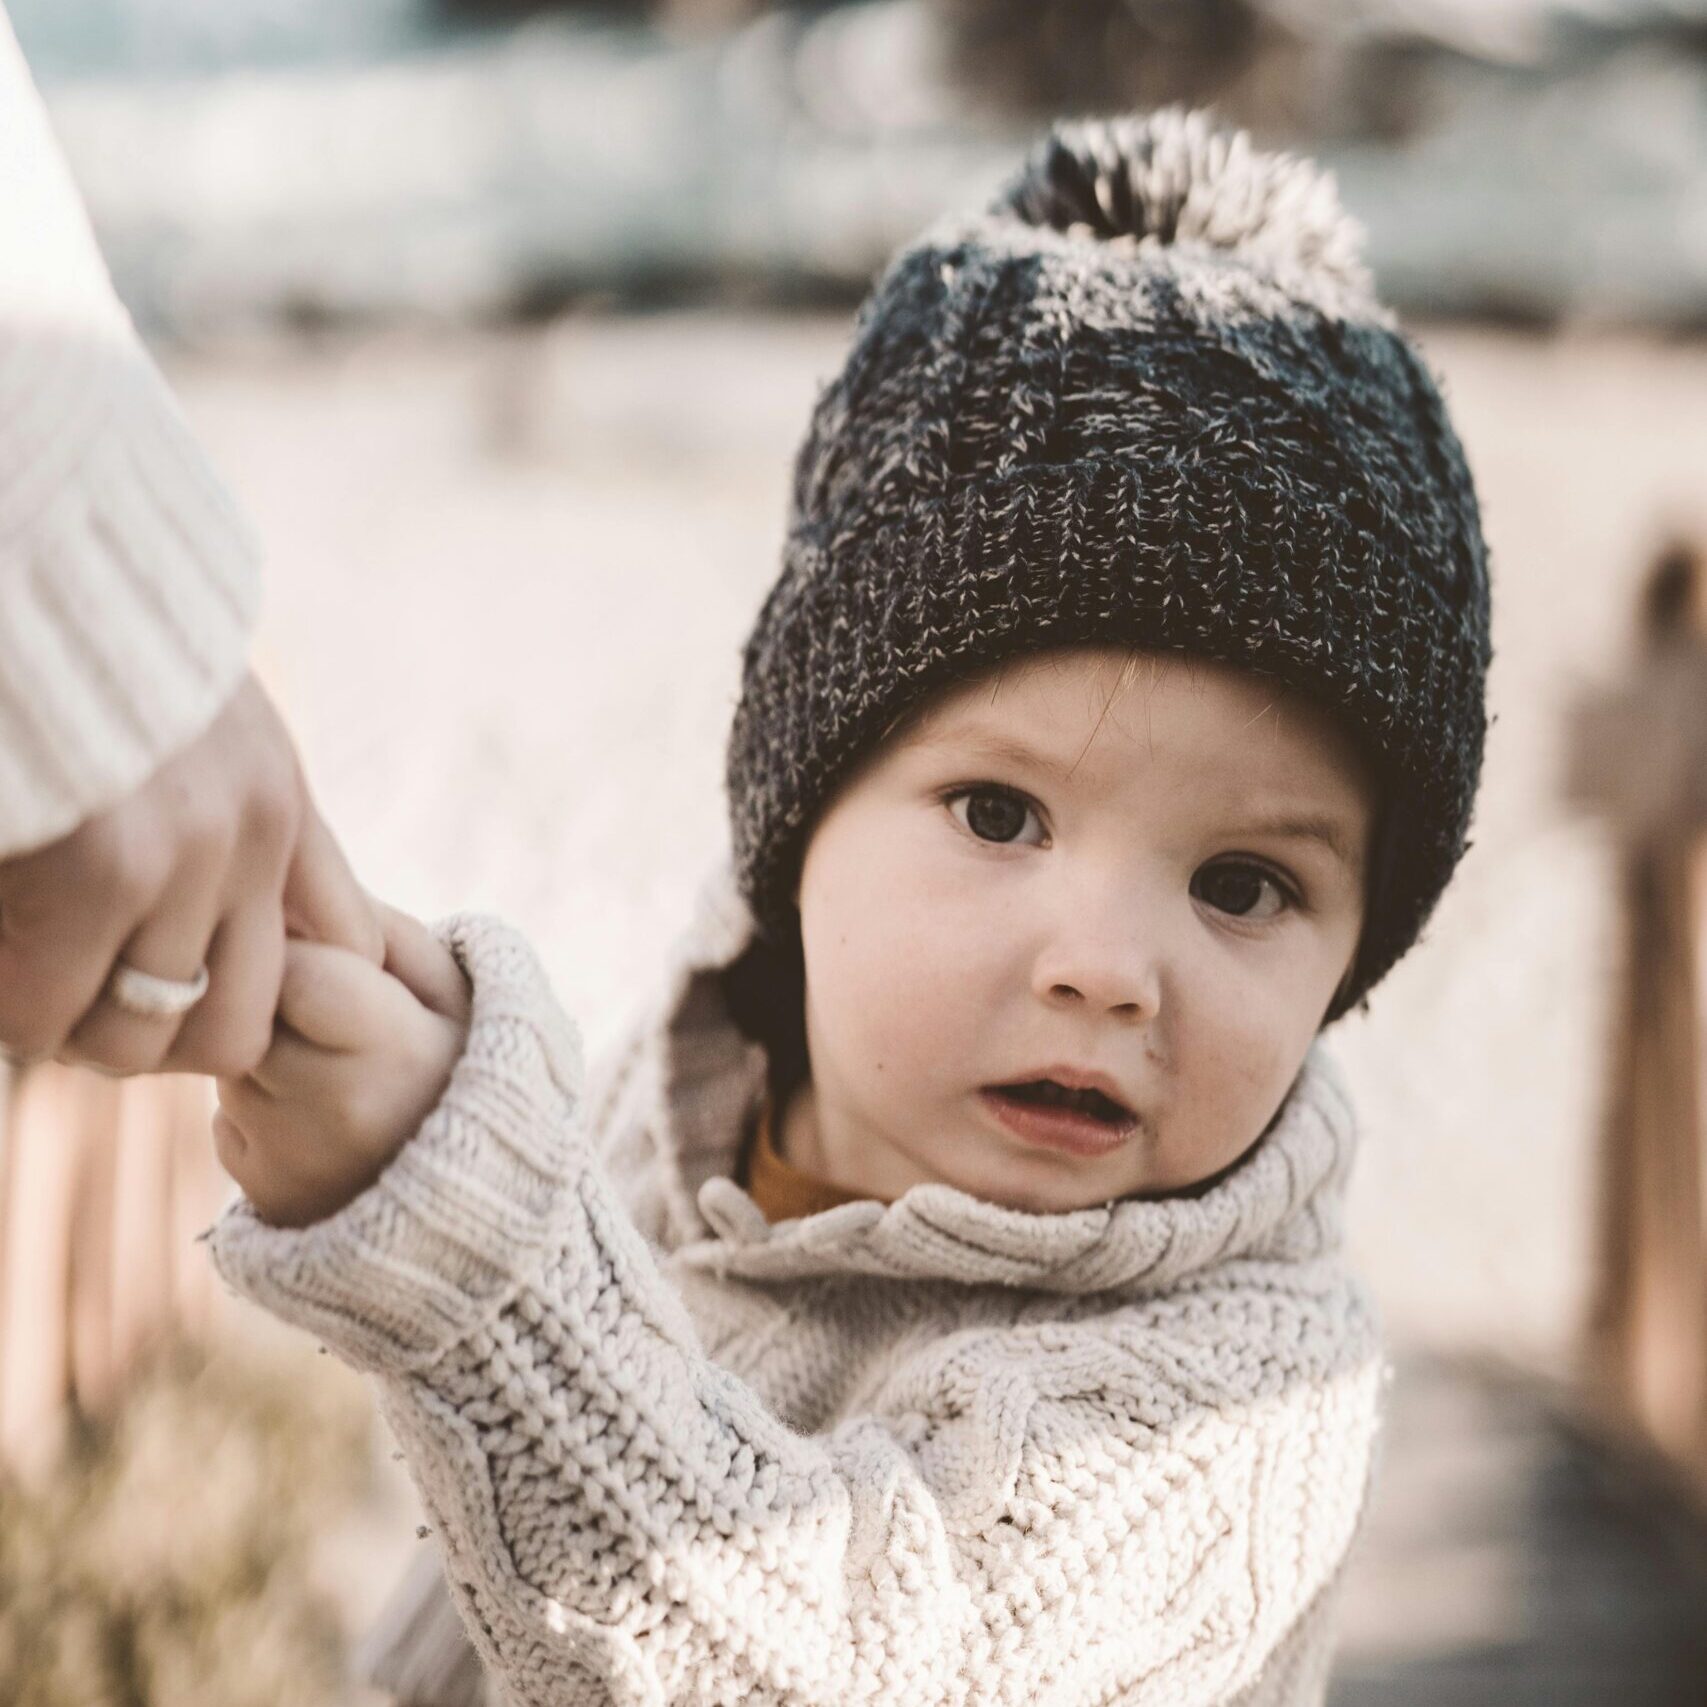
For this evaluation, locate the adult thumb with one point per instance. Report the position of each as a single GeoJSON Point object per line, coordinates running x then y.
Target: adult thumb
{"type": "Point", "coordinates": [322, 899]}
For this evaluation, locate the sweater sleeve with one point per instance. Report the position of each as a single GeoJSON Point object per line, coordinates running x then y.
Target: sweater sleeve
{"type": "Point", "coordinates": [128, 580]}
{"type": "Point", "coordinates": [1042, 1512]}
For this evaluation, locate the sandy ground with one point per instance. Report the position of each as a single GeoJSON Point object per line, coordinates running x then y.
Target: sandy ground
{"type": "Point", "coordinates": [509, 577]}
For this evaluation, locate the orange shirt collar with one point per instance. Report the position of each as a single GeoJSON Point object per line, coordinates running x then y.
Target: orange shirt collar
{"type": "Point", "coordinates": [782, 1191]}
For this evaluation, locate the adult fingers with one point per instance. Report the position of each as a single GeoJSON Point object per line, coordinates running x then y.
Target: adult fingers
{"type": "Point", "coordinates": [229, 1030]}
{"type": "Point", "coordinates": [322, 899]}
{"type": "Point", "coordinates": [66, 911]}
{"type": "Point", "coordinates": [172, 942]}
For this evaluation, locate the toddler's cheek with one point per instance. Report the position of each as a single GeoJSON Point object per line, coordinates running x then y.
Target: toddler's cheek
{"type": "Point", "coordinates": [913, 1042]}
{"type": "Point", "coordinates": [1233, 1086]}
{"type": "Point", "coordinates": [891, 991]}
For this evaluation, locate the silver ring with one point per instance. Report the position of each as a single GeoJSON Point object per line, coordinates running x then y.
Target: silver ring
{"type": "Point", "coordinates": [150, 997]}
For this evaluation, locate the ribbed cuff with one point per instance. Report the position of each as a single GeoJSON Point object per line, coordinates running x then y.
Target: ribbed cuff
{"type": "Point", "coordinates": [129, 582]}
{"type": "Point", "coordinates": [467, 1211]}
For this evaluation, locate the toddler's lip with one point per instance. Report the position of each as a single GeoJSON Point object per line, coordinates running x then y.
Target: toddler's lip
{"type": "Point", "coordinates": [1073, 1078]}
{"type": "Point", "coordinates": [1057, 1127]}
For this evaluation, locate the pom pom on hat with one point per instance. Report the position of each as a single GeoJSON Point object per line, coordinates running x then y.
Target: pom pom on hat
{"type": "Point", "coordinates": [1146, 397]}
{"type": "Point", "coordinates": [1169, 177]}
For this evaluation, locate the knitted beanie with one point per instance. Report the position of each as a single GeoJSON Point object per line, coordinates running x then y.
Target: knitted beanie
{"type": "Point", "coordinates": [1146, 397]}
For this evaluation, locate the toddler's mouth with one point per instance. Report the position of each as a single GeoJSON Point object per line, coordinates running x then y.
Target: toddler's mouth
{"type": "Point", "coordinates": [1048, 1094]}
{"type": "Point", "coordinates": [1085, 1121]}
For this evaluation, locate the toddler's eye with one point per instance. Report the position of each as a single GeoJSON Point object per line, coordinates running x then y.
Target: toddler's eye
{"type": "Point", "coordinates": [993, 813]}
{"type": "Point", "coordinates": [1237, 887]}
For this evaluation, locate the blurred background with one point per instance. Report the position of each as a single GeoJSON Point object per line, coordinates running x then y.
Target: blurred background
{"type": "Point", "coordinates": [503, 321]}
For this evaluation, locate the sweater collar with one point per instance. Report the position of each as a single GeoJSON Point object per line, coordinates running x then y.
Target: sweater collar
{"type": "Point", "coordinates": [1281, 1203]}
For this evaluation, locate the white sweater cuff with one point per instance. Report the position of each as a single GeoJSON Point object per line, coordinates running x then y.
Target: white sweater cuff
{"type": "Point", "coordinates": [129, 581]}
{"type": "Point", "coordinates": [466, 1212]}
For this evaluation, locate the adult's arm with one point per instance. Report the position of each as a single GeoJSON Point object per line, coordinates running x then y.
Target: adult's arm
{"type": "Point", "coordinates": [128, 581]}
{"type": "Point", "coordinates": [151, 803]}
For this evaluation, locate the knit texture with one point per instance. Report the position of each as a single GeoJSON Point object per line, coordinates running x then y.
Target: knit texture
{"type": "Point", "coordinates": [935, 1452]}
{"type": "Point", "coordinates": [128, 581]}
{"type": "Point", "coordinates": [1146, 398]}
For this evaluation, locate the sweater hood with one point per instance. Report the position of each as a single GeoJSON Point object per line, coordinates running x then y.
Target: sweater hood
{"type": "Point", "coordinates": [1282, 1203]}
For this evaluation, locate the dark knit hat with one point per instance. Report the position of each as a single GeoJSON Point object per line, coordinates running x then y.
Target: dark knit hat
{"type": "Point", "coordinates": [1147, 397]}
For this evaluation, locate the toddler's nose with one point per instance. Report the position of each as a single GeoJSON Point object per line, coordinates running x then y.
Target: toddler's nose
{"type": "Point", "coordinates": [1113, 968]}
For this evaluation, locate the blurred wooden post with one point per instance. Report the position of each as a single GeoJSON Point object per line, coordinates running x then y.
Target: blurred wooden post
{"type": "Point", "coordinates": [104, 1184]}
{"type": "Point", "coordinates": [1640, 758]}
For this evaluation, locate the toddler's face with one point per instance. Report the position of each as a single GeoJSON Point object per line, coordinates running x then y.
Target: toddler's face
{"type": "Point", "coordinates": [1155, 876]}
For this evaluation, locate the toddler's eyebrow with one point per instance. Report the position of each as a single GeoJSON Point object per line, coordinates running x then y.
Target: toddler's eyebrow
{"type": "Point", "coordinates": [1306, 826]}
{"type": "Point", "coordinates": [991, 745]}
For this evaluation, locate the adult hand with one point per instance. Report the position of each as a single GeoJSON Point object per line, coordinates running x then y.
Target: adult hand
{"type": "Point", "coordinates": [212, 861]}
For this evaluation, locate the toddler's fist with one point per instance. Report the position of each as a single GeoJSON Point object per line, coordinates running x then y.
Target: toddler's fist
{"type": "Point", "coordinates": [360, 1055]}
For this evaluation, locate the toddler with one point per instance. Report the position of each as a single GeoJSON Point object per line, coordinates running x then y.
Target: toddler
{"type": "Point", "coordinates": [940, 1300]}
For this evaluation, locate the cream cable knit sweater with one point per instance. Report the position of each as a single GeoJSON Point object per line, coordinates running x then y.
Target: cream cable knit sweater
{"type": "Point", "coordinates": [936, 1452]}
{"type": "Point", "coordinates": [128, 582]}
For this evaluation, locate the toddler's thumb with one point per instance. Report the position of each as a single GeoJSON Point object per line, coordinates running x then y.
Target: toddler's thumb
{"type": "Point", "coordinates": [423, 965]}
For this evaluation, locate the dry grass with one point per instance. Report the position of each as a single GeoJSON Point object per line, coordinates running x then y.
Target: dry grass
{"type": "Point", "coordinates": [164, 1558]}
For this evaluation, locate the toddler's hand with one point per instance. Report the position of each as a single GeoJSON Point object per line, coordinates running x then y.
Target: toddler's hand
{"type": "Point", "coordinates": [359, 1057]}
